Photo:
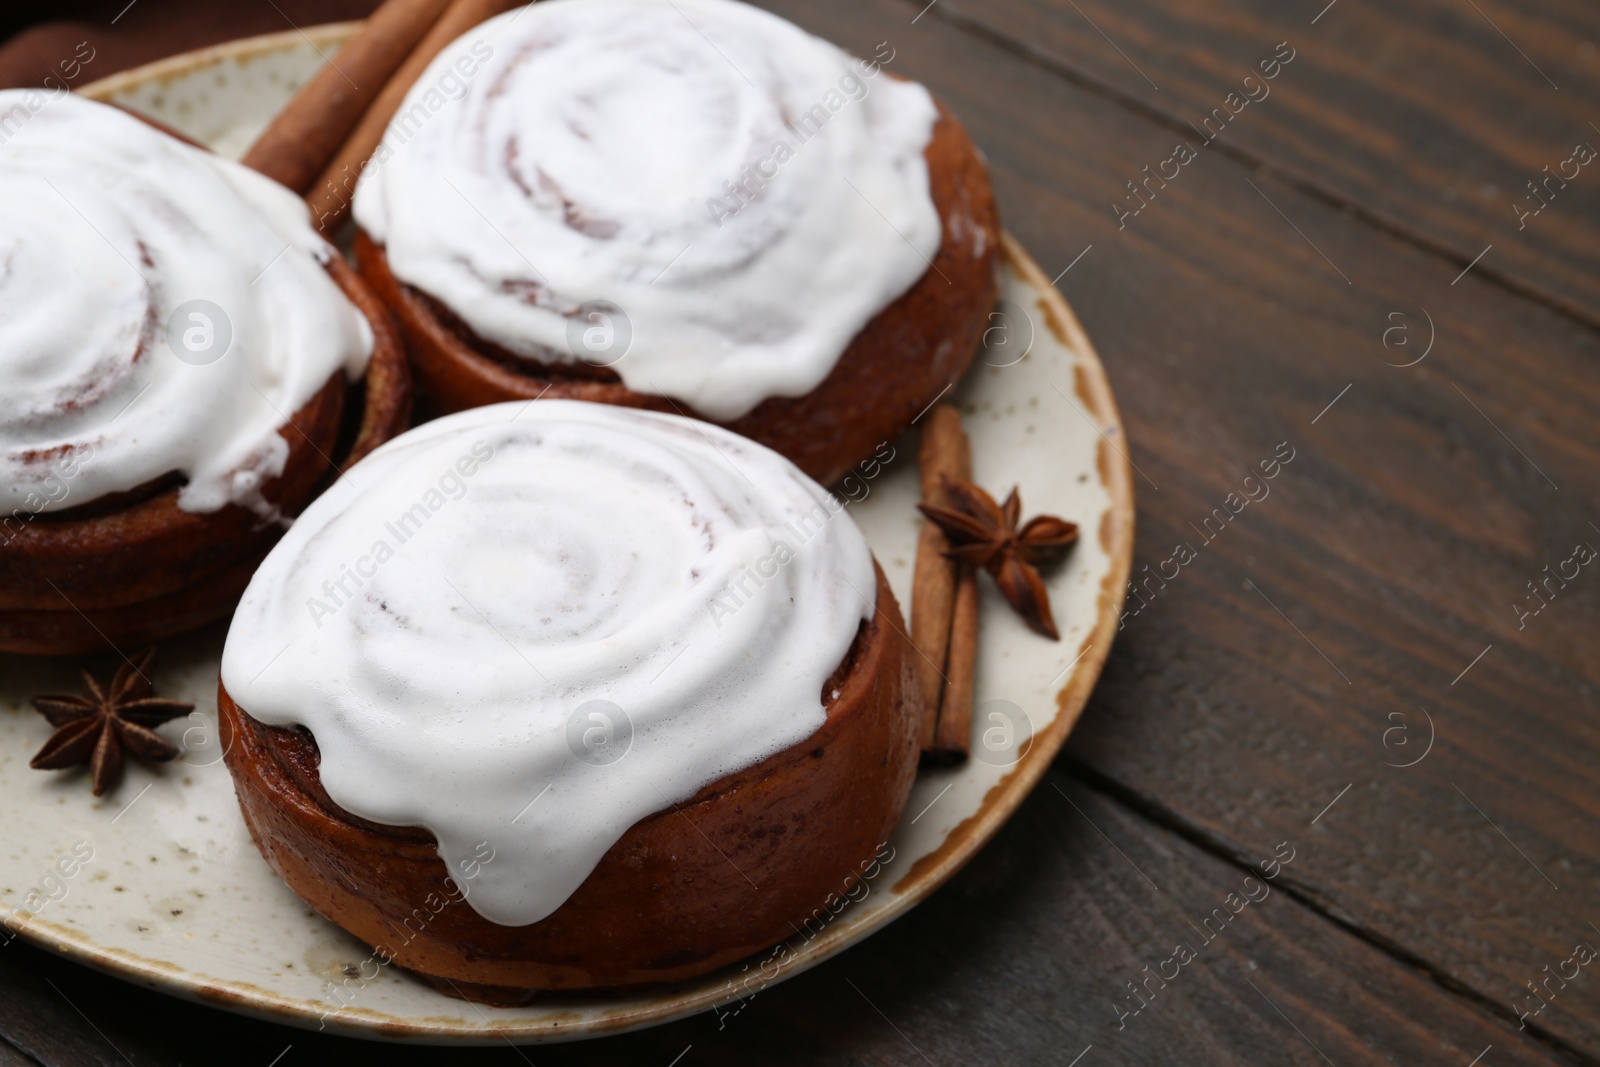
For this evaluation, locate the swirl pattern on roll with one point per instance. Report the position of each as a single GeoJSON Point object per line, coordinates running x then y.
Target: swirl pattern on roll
{"type": "Point", "coordinates": [526, 627]}
{"type": "Point", "coordinates": [699, 194]}
{"type": "Point", "coordinates": [161, 310]}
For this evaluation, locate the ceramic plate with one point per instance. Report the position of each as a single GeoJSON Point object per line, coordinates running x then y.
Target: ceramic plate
{"type": "Point", "coordinates": [159, 881]}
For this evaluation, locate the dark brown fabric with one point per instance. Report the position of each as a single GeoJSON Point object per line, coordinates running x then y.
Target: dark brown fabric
{"type": "Point", "coordinates": [80, 42]}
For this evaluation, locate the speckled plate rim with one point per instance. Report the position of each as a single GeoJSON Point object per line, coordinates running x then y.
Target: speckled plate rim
{"type": "Point", "coordinates": [328, 35]}
{"type": "Point", "coordinates": [928, 873]}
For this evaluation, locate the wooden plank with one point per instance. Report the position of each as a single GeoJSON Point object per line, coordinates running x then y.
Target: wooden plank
{"type": "Point", "coordinates": [1024, 958]}
{"type": "Point", "coordinates": [1231, 312]}
{"type": "Point", "coordinates": [12, 1057]}
{"type": "Point", "coordinates": [104, 38]}
{"type": "Point", "coordinates": [1429, 115]}
{"type": "Point", "coordinates": [42, 1000]}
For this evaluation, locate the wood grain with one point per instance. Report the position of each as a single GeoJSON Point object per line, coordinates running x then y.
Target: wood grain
{"type": "Point", "coordinates": [1019, 960]}
{"type": "Point", "coordinates": [1425, 116]}
{"type": "Point", "coordinates": [112, 35]}
{"type": "Point", "coordinates": [1229, 316]}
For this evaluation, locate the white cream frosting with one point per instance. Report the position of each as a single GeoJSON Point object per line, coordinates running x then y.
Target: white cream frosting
{"type": "Point", "coordinates": [107, 227]}
{"type": "Point", "coordinates": [442, 618]}
{"type": "Point", "coordinates": [594, 155]}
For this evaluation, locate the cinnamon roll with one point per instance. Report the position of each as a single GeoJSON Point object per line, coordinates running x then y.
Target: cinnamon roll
{"type": "Point", "coordinates": [184, 361]}
{"type": "Point", "coordinates": [693, 207]}
{"type": "Point", "coordinates": [563, 695]}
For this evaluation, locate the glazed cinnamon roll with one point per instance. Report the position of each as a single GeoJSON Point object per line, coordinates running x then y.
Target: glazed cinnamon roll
{"type": "Point", "coordinates": [565, 695]}
{"type": "Point", "coordinates": [184, 361]}
{"type": "Point", "coordinates": [692, 207]}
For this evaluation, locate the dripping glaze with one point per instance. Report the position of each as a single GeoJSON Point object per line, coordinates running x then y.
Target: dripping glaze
{"type": "Point", "coordinates": [461, 619]}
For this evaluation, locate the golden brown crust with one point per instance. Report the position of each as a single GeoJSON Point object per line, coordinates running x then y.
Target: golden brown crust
{"type": "Point", "coordinates": [897, 365]}
{"type": "Point", "coordinates": [135, 567]}
{"type": "Point", "coordinates": [734, 870]}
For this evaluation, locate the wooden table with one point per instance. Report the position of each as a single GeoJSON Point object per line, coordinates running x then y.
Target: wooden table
{"type": "Point", "coordinates": [1352, 669]}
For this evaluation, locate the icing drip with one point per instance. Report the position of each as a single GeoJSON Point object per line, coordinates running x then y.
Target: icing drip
{"type": "Point", "coordinates": [110, 232]}
{"type": "Point", "coordinates": [532, 625]}
{"type": "Point", "coordinates": [746, 194]}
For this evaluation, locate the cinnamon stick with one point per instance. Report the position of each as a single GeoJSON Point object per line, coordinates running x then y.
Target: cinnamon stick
{"type": "Point", "coordinates": [331, 193]}
{"type": "Point", "coordinates": [933, 596]}
{"type": "Point", "coordinates": [944, 599]}
{"type": "Point", "coordinates": [953, 737]}
{"type": "Point", "coordinates": [296, 147]}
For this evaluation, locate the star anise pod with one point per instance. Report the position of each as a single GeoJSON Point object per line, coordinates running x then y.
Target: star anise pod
{"type": "Point", "coordinates": [94, 729]}
{"type": "Point", "coordinates": [985, 534]}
